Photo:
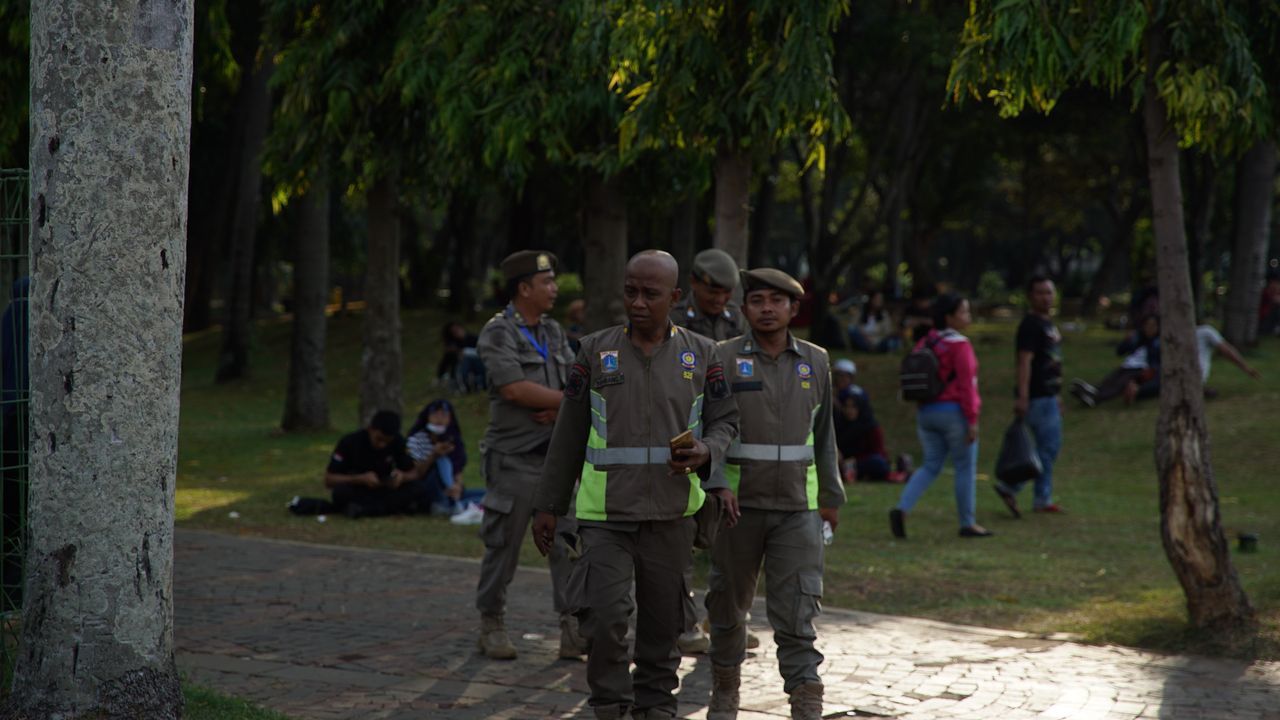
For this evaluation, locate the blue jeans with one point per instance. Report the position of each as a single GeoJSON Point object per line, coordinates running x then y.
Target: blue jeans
{"type": "Point", "coordinates": [1044, 420]}
{"type": "Point", "coordinates": [439, 479]}
{"type": "Point", "coordinates": [889, 343]}
{"type": "Point", "coordinates": [943, 431]}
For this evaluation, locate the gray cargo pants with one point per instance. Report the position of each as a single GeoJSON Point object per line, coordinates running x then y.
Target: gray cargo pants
{"type": "Point", "coordinates": [652, 556]}
{"type": "Point", "coordinates": [790, 546]}
{"type": "Point", "coordinates": [510, 482]}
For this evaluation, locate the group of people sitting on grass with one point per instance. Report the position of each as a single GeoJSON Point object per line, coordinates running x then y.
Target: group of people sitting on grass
{"type": "Point", "coordinates": [377, 471]}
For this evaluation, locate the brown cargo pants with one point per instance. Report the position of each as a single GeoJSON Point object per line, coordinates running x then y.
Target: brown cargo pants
{"type": "Point", "coordinates": [652, 556]}
{"type": "Point", "coordinates": [789, 544]}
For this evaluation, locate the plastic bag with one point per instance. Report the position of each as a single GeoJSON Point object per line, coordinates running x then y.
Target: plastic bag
{"type": "Point", "coordinates": [1018, 461]}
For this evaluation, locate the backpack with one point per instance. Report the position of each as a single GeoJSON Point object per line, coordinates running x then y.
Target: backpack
{"type": "Point", "coordinates": [919, 375]}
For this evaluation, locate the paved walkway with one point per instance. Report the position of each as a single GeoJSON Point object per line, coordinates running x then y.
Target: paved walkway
{"type": "Point", "coordinates": [326, 632]}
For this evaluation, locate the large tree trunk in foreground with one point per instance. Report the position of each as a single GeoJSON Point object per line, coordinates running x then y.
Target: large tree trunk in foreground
{"type": "Point", "coordinates": [1190, 523]}
{"type": "Point", "coordinates": [1255, 193]}
{"type": "Point", "coordinates": [605, 247]}
{"type": "Point", "coordinates": [380, 365]}
{"type": "Point", "coordinates": [110, 128]}
{"type": "Point", "coordinates": [306, 402]}
{"type": "Point", "coordinates": [684, 235]}
{"type": "Point", "coordinates": [255, 103]}
{"type": "Point", "coordinates": [733, 203]}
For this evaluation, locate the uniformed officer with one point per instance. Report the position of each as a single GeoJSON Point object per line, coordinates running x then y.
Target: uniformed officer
{"type": "Point", "coordinates": [783, 469]}
{"type": "Point", "coordinates": [527, 358]}
{"type": "Point", "coordinates": [710, 310]}
{"type": "Point", "coordinates": [632, 390]}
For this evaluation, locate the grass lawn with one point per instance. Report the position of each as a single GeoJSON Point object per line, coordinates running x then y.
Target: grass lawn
{"type": "Point", "coordinates": [1098, 571]}
{"type": "Point", "coordinates": [205, 704]}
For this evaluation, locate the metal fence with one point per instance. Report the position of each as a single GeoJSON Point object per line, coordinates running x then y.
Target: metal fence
{"type": "Point", "coordinates": [14, 397]}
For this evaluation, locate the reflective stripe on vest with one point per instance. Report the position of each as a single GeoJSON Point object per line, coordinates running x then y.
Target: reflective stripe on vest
{"type": "Point", "coordinates": [592, 489]}
{"type": "Point", "coordinates": [771, 453]}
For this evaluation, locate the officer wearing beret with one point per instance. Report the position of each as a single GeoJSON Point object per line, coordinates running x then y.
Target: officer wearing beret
{"type": "Point", "coordinates": [783, 470]}
{"type": "Point", "coordinates": [647, 409]}
{"type": "Point", "coordinates": [527, 357]}
{"type": "Point", "coordinates": [710, 310]}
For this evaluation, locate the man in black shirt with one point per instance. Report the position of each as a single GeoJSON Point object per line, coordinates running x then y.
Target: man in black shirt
{"type": "Point", "coordinates": [371, 472]}
{"type": "Point", "coordinates": [1039, 373]}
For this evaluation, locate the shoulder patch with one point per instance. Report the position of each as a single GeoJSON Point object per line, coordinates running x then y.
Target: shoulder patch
{"type": "Point", "coordinates": [577, 384]}
{"type": "Point", "coordinates": [717, 385]}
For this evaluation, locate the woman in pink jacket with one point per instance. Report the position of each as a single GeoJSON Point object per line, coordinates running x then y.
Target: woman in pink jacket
{"type": "Point", "coordinates": [949, 424]}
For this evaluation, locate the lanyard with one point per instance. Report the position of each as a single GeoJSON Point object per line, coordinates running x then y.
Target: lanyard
{"type": "Point", "coordinates": [542, 349]}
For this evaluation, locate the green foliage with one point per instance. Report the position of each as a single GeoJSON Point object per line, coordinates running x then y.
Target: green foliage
{"type": "Point", "coordinates": [204, 704]}
{"type": "Point", "coordinates": [1026, 53]}
{"type": "Point", "coordinates": [741, 73]}
{"type": "Point", "coordinates": [15, 52]}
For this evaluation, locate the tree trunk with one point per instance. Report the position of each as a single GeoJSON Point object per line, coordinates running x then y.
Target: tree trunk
{"type": "Point", "coordinates": [684, 235]}
{"type": "Point", "coordinates": [1255, 189]}
{"type": "Point", "coordinates": [460, 229]}
{"type": "Point", "coordinates": [605, 245]}
{"type": "Point", "coordinates": [1203, 188]}
{"type": "Point", "coordinates": [762, 219]}
{"type": "Point", "coordinates": [733, 203]}
{"type": "Point", "coordinates": [254, 104]}
{"type": "Point", "coordinates": [1117, 250]}
{"type": "Point", "coordinates": [110, 129]}
{"type": "Point", "coordinates": [380, 364]}
{"type": "Point", "coordinates": [306, 401]}
{"type": "Point", "coordinates": [1190, 523]}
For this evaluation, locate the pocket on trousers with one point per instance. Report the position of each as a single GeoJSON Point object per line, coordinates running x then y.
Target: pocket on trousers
{"type": "Point", "coordinates": [493, 526]}
{"type": "Point", "coordinates": [808, 604]}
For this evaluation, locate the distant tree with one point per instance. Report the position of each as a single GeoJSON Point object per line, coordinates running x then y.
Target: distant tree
{"type": "Point", "coordinates": [1254, 197]}
{"type": "Point", "coordinates": [14, 71]}
{"type": "Point", "coordinates": [110, 129]}
{"type": "Point", "coordinates": [306, 403]}
{"type": "Point", "coordinates": [727, 77]}
{"type": "Point", "coordinates": [1189, 67]}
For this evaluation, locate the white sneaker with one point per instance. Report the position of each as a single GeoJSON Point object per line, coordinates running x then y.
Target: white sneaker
{"type": "Point", "coordinates": [472, 515]}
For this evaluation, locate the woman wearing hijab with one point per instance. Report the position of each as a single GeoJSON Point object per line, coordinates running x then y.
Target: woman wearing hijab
{"type": "Point", "coordinates": [435, 444]}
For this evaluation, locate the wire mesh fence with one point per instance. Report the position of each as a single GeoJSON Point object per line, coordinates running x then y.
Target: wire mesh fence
{"type": "Point", "coordinates": [14, 399]}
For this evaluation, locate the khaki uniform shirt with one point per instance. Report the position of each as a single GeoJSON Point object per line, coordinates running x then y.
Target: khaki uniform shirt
{"type": "Point", "coordinates": [785, 455]}
{"type": "Point", "coordinates": [728, 324]}
{"type": "Point", "coordinates": [509, 355]}
{"type": "Point", "coordinates": [619, 413]}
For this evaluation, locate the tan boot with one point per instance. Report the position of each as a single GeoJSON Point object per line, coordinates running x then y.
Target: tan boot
{"type": "Point", "coordinates": [572, 644]}
{"type": "Point", "coordinates": [493, 640]}
{"type": "Point", "coordinates": [725, 680]}
{"type": "Point", "coordinates": [806, 702]}
{"type": "Point", "coordinates": [693, 642]}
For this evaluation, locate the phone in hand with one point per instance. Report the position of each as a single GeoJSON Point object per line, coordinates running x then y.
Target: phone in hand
{"type": "Point", "coordinates": [683, 440]}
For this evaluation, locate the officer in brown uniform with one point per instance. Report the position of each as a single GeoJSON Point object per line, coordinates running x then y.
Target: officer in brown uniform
{"type": "Point", "coordinates": [710, 309]}
{"type": "Point", "coordinates": [632, 390]}
{"type": "Point", "coordinates": [527, 358]}
{"type": "Point", "coordinates": [784, 471]}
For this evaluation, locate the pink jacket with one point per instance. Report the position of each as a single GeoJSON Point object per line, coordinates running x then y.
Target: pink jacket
{"type": "Point", "coordinates": [958, 366]}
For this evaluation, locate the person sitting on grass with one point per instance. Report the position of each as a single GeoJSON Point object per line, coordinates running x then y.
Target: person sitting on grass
{"type": "Point", "coordinates": [1209, 342]}
{"type": "Point", "coordinates": [439, 453]}
{"type": "Point", "coordinates": [859, 437]}
{"type": "Point", "coordinates": [371, 474]}
{"type": "Point", "coordinates": [1138, 375]}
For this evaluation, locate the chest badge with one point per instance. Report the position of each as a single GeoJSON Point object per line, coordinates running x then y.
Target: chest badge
{"type": "Point", "coordinates": [746, 367]}
{"type": "Point", "coordinates": [688, 361]}
{"type": "Point", "coordinates": [609, 361]}
{"type": "Point", "coordinates": [805, 371]}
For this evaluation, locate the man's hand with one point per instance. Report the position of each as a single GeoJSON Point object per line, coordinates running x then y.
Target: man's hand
{"type": "Point", "coordinates": [1252, 372]}
{"type": "Point", "coordinates": [972, 437]}
{"type": "Point", "coordinates": [685, 460]}
{"type": "Point", "coordinates": [732, 513]}
{"type": "Point", "coordinates": [546, 417]}
{"type": "Point", "coordinates": [370, 479]}
{"type": "Point", "coordinates": [396, 479]}
{"type": "Point", "coordinates": [831, 515]}
{"type": "Point", "coordinates": [544, 531]}
{"type": "Point", "coordinates": [454, 492]}
{"type": "Point", "coordinates": [1020, 406]}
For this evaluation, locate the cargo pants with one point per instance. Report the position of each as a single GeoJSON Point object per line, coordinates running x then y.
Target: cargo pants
{"type": "Point", "coordinates": [510, 482]}
{"type": "Point", "coordinates": [789, 544]}
{"type": "Point", "coordinates": [652, 557]}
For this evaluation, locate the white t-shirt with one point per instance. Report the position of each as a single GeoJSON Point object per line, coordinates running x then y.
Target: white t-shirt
{"type": "Point", "coordinates": [1207, 340]}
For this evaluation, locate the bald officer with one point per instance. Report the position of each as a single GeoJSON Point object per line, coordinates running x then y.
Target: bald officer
{"type": "Point", "coordinates": [710, 309]}
{"type": "Point", "coordinates": [632, 390]}
{"type": "Point", "coordinates": [527, 357]}
{"type": "Point", "coordinates": [783, 469]}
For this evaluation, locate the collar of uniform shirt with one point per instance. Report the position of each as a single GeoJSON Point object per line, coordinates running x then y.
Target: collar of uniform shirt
{"type": "Point", "coordinates": [518, 316]}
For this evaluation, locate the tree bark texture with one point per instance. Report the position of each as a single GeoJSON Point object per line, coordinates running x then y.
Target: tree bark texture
{"type": "Point", "coordinates": [684, 236]}
{"type": "Point", "coordinates": [110, 130]}
{"type": "Point", "coordinates": [733, 203]}
{"type": "Point", "coordinates": [254, 103]}
{"type": "Point", "coordinates": [306, 402]}
{"type": "Point", "coordinates": [1255, 190]}
{"type": "Point", "coordinates": [1190, 523]}
{"type": "Point", "coordinates": [605, 248]}
{"type": "Point", "coordinates": [380, 363]}
{"type": "Point", "coordinates": [1203, 189]}
{"type": "Point", "coordinates": [761, 221]}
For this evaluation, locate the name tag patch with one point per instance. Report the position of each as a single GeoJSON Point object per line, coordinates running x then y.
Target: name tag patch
{"type": "Point", "coordinates": [753, 385]}
{"type": "Point", "coordinates": [614, 379]}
